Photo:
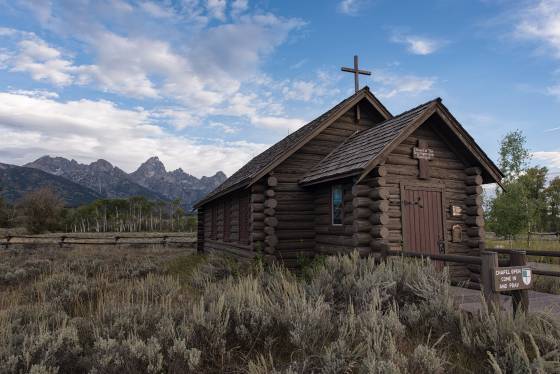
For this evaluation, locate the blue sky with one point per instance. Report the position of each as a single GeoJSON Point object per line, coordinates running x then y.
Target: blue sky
{"type": "Point", "coordinates": [208, 84]}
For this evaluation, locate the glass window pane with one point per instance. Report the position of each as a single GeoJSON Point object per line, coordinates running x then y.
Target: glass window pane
{"type": "Point", "coordinates": [337, 205]}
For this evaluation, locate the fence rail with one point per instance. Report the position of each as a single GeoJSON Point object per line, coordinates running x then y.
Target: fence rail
{"type": "Point", "coordinates": [488, 262]}
{"type": "Point", "coordinates": [62, 240]}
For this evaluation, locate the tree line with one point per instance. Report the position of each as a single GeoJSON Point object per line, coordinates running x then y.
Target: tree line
{"type": "Point", "coordinates": [530, 198]}
{"type": "Point", "coordinates": [43, 210]}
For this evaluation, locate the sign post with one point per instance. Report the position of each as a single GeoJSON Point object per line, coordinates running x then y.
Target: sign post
{"type": "Point", "coordinates": [516, 279]}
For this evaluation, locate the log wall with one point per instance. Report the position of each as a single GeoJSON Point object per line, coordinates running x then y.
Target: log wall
{"type": "Point", "coordinates": [462, 189]}
{"type": "Point", "coordinates": [332, 239]}
{"type": "Point", "coordinates": [295, 211]}
{"type": "Point", "coordinates": [232, 243]}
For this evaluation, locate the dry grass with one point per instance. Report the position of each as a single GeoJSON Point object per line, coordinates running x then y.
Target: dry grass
{"type": "Point", "coordinates": [109, 310]}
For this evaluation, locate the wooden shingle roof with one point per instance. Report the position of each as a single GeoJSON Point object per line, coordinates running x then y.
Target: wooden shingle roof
{"type": "Point", "coordinates": [245, 176]}
{"type": "Point", "coordinates": [355, 153]}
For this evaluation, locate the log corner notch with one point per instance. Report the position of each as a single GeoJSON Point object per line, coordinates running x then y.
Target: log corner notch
{"type": "Point", "coordinates": [257, 234]}
{"type": "Point", "coordinates": [200, 230]}
{"type": "Point", "coordinates": [370, 213]}
{"type": "Point", "coordinates": [270, 220]}
{"type": "Point", "coordinates": [474, 215]}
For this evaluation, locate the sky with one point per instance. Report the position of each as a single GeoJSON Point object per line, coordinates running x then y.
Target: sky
{"type": "Point", "coordinates": [206, 85]}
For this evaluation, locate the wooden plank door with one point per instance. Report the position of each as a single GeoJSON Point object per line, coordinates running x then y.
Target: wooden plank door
{"type": "Point", "coordinates": [423, 222]}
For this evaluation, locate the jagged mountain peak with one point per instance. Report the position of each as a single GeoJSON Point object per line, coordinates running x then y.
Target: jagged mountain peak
{"type": "Point", "coordinates": [102, 164]}
{"type": "Point", "coordinates": [151, 167]}
{"type": "Point", "coordinates": [151, 179]}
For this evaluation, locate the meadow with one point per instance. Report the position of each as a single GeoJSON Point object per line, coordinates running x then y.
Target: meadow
{"type": "Point", "coordinates": [165, 310]}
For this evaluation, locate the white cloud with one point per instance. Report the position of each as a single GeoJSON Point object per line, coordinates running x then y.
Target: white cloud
{"type": "Point", "coordinates": [88, 130]}
{"type": "Point", "coordinates": [156, 10]}
{"type": "Point", "coordinates": [217, 9]}
{"type": "Point", "coordinates": [540, 21]}
{"type": "Point", "coordinates": [223, 127]}
{"type": "Point", "coordinates": [351, 7]}
{"type": "Point", "coordinates": [551, 157]}
{"type": "Point", "coordinates": [392, 85]}
{"type": "Point", "coordinates": [300, 90]}
{"type": "Point", "coordinates": [418, 45]}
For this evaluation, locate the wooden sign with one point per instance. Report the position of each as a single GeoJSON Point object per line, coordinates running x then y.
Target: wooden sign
{"type": "Point", "coordinates": [423, 153]}
{"type": "Point", "coordinates": [456, 211]}
{"type": "Point", "coordinates": [512, 278]}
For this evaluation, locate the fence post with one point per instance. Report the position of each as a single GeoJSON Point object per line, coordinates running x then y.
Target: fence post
{"type": "Point", "coordinates": [520, 298]}
{"type": "Point", "coordinates": [489, 263]}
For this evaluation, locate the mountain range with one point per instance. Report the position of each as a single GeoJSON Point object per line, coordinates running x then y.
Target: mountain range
{"type": "Point", "coordinates": [100, 179]}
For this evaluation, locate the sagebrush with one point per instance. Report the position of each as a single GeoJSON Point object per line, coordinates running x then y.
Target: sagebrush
{"type": "Point", "coordinates": [164, 311]}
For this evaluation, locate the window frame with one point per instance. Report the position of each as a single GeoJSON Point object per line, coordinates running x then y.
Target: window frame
{"type": "Point", "coordinates": [333, 188]}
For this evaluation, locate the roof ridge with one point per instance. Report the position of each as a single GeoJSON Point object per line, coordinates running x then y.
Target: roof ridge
{"type": "Point", "coordinates": [437, 99]}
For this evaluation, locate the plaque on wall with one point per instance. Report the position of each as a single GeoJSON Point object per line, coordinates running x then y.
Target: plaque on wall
{"type": "Point", "coordinates": [457, 233]}
{"type": "Point", "coordinates": [456, 211]}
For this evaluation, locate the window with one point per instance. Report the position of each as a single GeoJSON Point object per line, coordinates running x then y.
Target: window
{"type": "Point", "coordinates": [227, 220]}
{"type": "Point", "coordinates": [337, 204]}
{"type": "Point", "coordinates": [213, 222]}
{"type": "Point", "coordinates": [244, 219]}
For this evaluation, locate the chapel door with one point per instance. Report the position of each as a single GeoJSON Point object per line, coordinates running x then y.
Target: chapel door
{"type": "Point", "coordinates": [423, 225]}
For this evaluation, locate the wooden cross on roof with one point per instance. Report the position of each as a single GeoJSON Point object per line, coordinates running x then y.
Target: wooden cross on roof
{"type": "Point", "coordinates": [356, 71]}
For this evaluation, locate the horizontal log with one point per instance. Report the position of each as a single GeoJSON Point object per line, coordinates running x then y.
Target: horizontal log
{"type": "Point", "coordinates": [271, 221]}
{"type": "Point", "coordinates": [377, 245]}
{"type": "Point", "coordinates": [285, 244]}
{"type": "Point", "coordinates": [271, 203]}
{"type": "Point", "coordinates": [474, 210]}
{"type": "Point", "coordinates": [361, 202]}
{"type": "Point", "coordinates": [295, 235]}
{"type": "Point", "coordinates": [379, 232]}
{"type": "Point", "coordinates": [270, 193]}
{"type": "Point", "coordinates": [271, 240]}
{"type": "Point", "coordinates": [379, 193]}
{"type": "Point", "coordinates": [379, 219]}
{"type": "Point", "coordinates": [473, 200]}
{"type": "Point", "coordinates": [379, 171]}
{"type": "Point", "coordinates": [257, 198]}
{"type": "Point", "coordinates": [475, 232]}
{"type": "Point", "coordinates": [257, 188]}
{"type": "Point", "coordinates": [258, 216]}
{"type": "Point", "coordinates": [269, 230]}
{"type": "Point", "coordinates": [474, 242]}
{"type": "Point", "coordinates": [379, 206]}
{"type": "Point", "coordinates": [257, 207]}
{"type": "Point", "coordinates": [257, 236]}
{"type": "Point", "coordinates": [361, 213]}
{"type": "Point", "coordinates": [272, 181]}
{"type": "Point", "coordinates": [257, 225]}
{"type": "Point", "coordinates": [361, 190]}
{"type": "Point", "coordinates": [473, 190]}
{"type": "Point", "coordinates": [335, 240]}
{"type": "Point", "coordinates": [475, 221]}
{"type": "Point", "coordinates": [475, 170]}
{"type": "Point", "coordinates": [270, 212]}
{"type": "Point", "coordinates": [326, 249]}
{"type": "Point", "coordinates": [376, 182]}
{"type": "Point", "coordinates": [473, 180]}
{"type": "Point", "coordinates": [361, 239]}
{"type": "Point", "coordinates": [360, 225]}
{"type": "Point", "coordinates": [269, 249]}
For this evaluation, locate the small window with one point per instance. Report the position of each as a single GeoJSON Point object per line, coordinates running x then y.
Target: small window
{"type": "Point", "coordinates": [337, 203]}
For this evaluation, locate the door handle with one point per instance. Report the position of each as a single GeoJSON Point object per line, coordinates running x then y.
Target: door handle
{"type": "Point", "coordinates": [441, 246]}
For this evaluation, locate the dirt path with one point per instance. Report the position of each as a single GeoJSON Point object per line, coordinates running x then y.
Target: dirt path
{"type": "Point", "coordinates": [470, 300]}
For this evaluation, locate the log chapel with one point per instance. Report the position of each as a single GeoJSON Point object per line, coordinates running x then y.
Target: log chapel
{"type": "Point", "coordinates": [356, 178]}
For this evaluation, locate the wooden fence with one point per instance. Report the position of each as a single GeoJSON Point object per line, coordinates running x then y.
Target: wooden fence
{"type": "Point", "coordinates": [488, 262]}
{"type": "Point", "coordinates": [67, 240]}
